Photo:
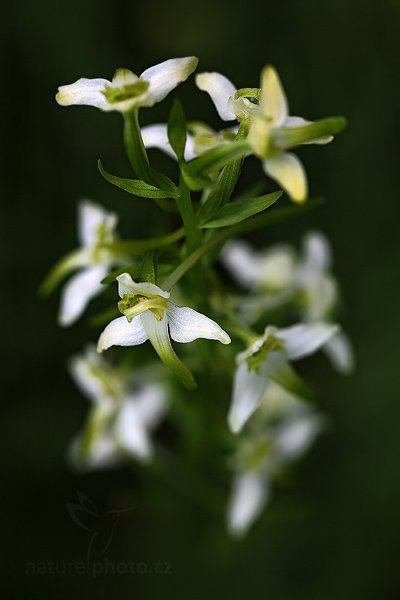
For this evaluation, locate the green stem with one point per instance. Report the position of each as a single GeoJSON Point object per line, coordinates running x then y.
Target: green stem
{"type": "Point", "coordinates": [135, 148]}
{"type": "Point", "coordinates": [192, 229]}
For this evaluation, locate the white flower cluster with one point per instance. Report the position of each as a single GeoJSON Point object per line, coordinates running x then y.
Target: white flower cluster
{"type": "Point", "coordinates": [269, 422]}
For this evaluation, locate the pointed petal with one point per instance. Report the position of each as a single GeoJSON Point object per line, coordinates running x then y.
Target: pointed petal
{"type": "Point", "coordinates": [187, 325]}
{"type": "Point", "coordinates": [340, 352]}
{"type": "Point", "coordinates": [167, 75]}
{"type": "Point", "coordinates": [248, 389]}
{"type": "Point", "coordinates": [249, 496]}
{"type": "Point", "coordinates": [77, 293]}
{"type": "Point", "coordinates": [102, 455]}
{"type": "Point", "coordinates": [273, 103]}
{"type": "Point", "coordinates": [157, 332]}
{"type": "Point", "coordinates": [289, 172]}
{"type": "Point", "coordinates": [295, 436]}
{"type": "Point", "coordinates": [91, 217]}
{"type": "Point", "coordinates": [242, 261]}
{"type": "Point", "coordinates": [317, 253]}
{"type": "Point", "coordinates": [150, 404]}
{"type": "Point", "coordinates": [302, 340]}
{"type": "Point", "coordinates": [156, 136]}
{"type": "Point", "coordinates": [84, 91]}
{"type": "Point", "coordinates": [126, 285]}
{"type": "Point", "coordinates": [220, 90]}
{"type": "Point", "coordinates": [122, 333]}
{"type": "Point", "coordinates": [131, 433]}
{"type": "Point", "coordinates": [85, 371]}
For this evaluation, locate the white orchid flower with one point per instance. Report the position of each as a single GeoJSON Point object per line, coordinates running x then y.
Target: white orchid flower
{"type": "Point", "coordinates": [279, 276]}
{"type": "Point", "coordinates": [271, 130]}
{"type": "Point", "coordinates": [263, 361]}
{"type": "Point", "coordinates": [96, 227]}
{"type": "Point", "coordinates": [127, 91]}
{"type": "Point", "coordinates": [319, 293]}
{"type": "Point", "coordinates": [149, 315]}
{"type": "Point", "coordinates": [122, 416]}
{"type": "Point", "coordinates": [273, 270]}
{"type": "Point", "coordinates": [282, 433]}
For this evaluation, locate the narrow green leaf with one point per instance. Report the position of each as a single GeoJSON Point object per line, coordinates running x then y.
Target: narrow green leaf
{"type": "Point", "coordinates": [177, 129]}
{"type": "Point", "coordinates": [217, 158]}
{"type": "Point", "coordinates": [235, 212]}
{"type": "Point", "coordinates": [224, 186]}
{"type": "Point", "coordinates": [197, 182]}
{"type": "Point", "coordinates": [256, 222]}
{"type": "Point", "coordinates": [137, 186]}
{"type": "Point", "coordinates": [138, 158]}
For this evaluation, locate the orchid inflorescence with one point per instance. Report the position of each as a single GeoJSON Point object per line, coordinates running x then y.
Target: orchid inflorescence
{"type": "Point", "coordinates": [271, 307]}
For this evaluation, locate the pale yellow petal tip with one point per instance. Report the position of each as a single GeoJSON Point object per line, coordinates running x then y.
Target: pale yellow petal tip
{"type": "Point", "coordinates": [61, 98]}
{"type": "Point", "coordinates": [299, 198]}
{"type": "Point", "coordinates": [201, 80]}
{"type": "Point", "coordinates": [269, 74]}
{"type": "Point", "coordinates": [234, 425]}
{"type": "Point", "coordinates": [100, 345]}
{"type": "Point", "coordinates": [194, 61]}
{"type": "Point", "coordinates": [225, 339]}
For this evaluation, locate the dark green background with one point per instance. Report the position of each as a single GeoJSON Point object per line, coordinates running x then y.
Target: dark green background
{"type": "Point", "coordinates": [332, 532]}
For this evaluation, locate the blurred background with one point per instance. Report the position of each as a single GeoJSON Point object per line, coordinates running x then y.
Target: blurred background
{"type": "Point", "coordinates": [332, 529]}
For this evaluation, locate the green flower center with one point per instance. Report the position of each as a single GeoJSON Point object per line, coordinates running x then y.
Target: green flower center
{"type": "Point", "coordinates": [258, 358]}
{"type": "Point", "coordinates": [133, 305]}
{"type": "Point", "coordinates": [128, 91]}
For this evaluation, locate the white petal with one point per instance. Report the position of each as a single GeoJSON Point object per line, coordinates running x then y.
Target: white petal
{"type": "Point", "coordinates": [320, 295]}
{"type": "Point", "coordinates": [249, 496]}
{"type": "Point", "coordinates": [242, 261]}
{"type": "Point", "coordinates": [317, 253]}
{"type": "Point", "coordinates": [302, 340]}
{"type": "Point", "coordinates": [85, 372]}
{"type": "Point", "coordinates": [340, 352]}
{"type": "Point", "coordinates": [167, 75]}
{"type": "Point", "coordinates": [289, 172]}
{"type": "Point", "coordinates": [122, 333]}
{"type": "Point", "coordinates": [296, 435]}
{"type": "Point", "coordinates": [187, 325]}
{"type": "Point", "coordinates": [220, 90]}
{"type": "Point", "coordinates": [248, 390]}
{"type": "Point", "coordinates": [103, 453]}
{"type": "Point", "coordinates": [150, 404]}
{"type": "Point", "coordinates": [91, 217]}
{"type": "Point", "coordinates": [273, 103]}
{"type": "Point", "coordinates": [156, 136]}
{"type": "Point", "coordinates": [84, 91]}
{"type": "Point", "coordinates": [130, 431]}
{"type": "Point", "coordinates": [78, 291]}
{"type": "Point", "coordinates": [126, 285]}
